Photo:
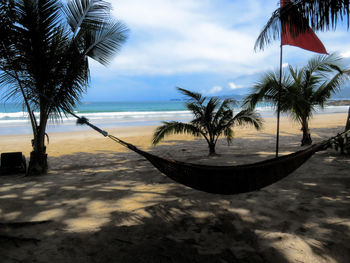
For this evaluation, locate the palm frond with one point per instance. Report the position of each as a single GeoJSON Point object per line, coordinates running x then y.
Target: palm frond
{"type": "Point", "coordinates": [224, 121]}
{"type": "Point", "coordinates": [195, 108]}
{"type": "Point", "coordinates": [324, 92]}
{"type": "Point", "coordinates": [229, 134]}
{"type": "Point", "coordinates": [105, 41]}
{"type": "Point", "coordinates": [192, 95]}
{"type": "Point", "coordinates": [295, 73]}
{"type": "Point", "coordinates": [319, 14]}
{"type": "Point", "coordinates": [248, 117]}
{"type": "Point", "coordinates": [324, 63]}
{"type": "Point", "coordinates": [224, 106]}
{"type": "Point", "coordinates": [324, 15]}
{"type": "Point", "coordinates": [265, 89]}
{"type": "Point", "coordinates": [210, 109]}
{"type": "Point", "coordinates": [286, 15]}
{"type": "Point", "coordinates": [174, 127]}
{"type": "Point", "coordinates": [6, 79]}
{"type": "Point", "coordinates": [271, 31]}
{"type": "Point", "coordinates": [41, 17]}
{"type": "Point", "coordinates": [82, 14]}
{"type": "Point", "coordinates": [35, 26]}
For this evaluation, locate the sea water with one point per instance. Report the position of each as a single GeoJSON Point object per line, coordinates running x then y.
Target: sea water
{"type": "Point", "coordinates": [14, 118]}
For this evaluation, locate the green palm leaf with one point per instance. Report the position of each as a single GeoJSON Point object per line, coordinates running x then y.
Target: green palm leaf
{"type": "Point", "coordinates": [229, 134]}
{"type": "Point", "coordinates": [193, 95]}
{"type": "Point", "coordinates": [105, 41]}
{"type": "Point", "coordinates": [196, 109]}
{"type": "Point", "coordinates": [212, 118]}
{"type": "Point", "coordinates": [86, 14]}
{"type": "Point", "coordinates": [174, 127]}
{"type": "Point", "coordinates": [248, 117]}
{"type": "Point", "coordinates": [224, 106]}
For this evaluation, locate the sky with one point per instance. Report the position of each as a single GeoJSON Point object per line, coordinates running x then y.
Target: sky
{"type": "Point", "coordinates": [201, 45]}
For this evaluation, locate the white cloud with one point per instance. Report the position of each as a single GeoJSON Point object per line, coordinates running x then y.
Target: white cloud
{"type": "Point", "coordinates": [187, 36]}
{"type": "Point", "coordinates": [346, 54]}
{"type": "Point", "coordinates": [214, 90]}
{"type": "Point", "coordinates": [191, 36]}
{"type": "Point", "coordinates": [284, 65]}
{"type": "Point", "coordinates": [232, 86]}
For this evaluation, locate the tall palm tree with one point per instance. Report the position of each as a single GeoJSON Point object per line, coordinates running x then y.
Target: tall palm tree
{"type": "Point", "coordinates": [318, 14]}
{"type": "Point", "coordinates": [212, 118]}
{"type": "Point", "coordinates": [302, 89]}
{"type": "Point", "coordinates": [45, 46]}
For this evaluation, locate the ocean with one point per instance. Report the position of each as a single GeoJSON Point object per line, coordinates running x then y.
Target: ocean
{"type": "Point", "coordinates": [14, 120]}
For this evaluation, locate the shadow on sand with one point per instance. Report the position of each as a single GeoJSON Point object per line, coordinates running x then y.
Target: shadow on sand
{"type": "Point", "coordinates": [108, 207]}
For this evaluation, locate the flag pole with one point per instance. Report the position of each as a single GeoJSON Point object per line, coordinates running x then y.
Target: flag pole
{"type": "Point", "coordinates": [306, 40]}
{"type": "Point", "coordinates": [279, 99]}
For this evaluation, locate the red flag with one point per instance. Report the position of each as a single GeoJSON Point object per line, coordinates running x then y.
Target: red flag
{"type": "Point", "coordinates": [306, 40]}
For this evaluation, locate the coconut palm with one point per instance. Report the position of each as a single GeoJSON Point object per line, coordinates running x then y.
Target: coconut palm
{"type": "Point", "coordinates": [212, 118]}
{"type": "Point", "coordinates": [45, 46]}
{"type": "Point", "coordinates": [302, 89]}
{"type": "Point", "coordinates": [318, 14]}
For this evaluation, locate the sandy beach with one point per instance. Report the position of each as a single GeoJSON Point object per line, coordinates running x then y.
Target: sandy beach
{"type": "Point", "coordinates": [102, 203]}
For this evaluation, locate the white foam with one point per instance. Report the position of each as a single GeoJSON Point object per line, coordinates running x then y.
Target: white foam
{"type": "Point", "coordinates": [142, 116]}
{"type": "Point", "coordinates": [16, 115]}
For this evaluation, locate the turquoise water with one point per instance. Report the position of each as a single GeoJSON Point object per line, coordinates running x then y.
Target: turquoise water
{"type": "Point", "coordinates": [131, 106]}
{"type": "Point", "coordinates": [95, 107]}
{"type": "Point", "coordinates": [14, 119]}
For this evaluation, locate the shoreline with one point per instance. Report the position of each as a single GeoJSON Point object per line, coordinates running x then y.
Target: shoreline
{"type": "Point", "coordinates": [107, 120]}
{"type": "Point", "coordinates": [88, 140]}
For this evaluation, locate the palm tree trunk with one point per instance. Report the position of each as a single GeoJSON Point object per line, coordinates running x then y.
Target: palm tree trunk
{"type": "Point", "coordinates": [211, 148]}
{"type": "Point", "coordinates": [306, 140]}
{"type": "Point", "coordinates": [38, 157]}
{"type": "Point", "coordinates": [346, 140]}
{"type": "Point", "coordinates": [347, 126]}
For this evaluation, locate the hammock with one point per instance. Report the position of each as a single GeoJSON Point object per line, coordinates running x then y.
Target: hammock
{"type": "Point", "coordinates": [225, 180]}
{"type": "Point", "coordinates": [228, 180]}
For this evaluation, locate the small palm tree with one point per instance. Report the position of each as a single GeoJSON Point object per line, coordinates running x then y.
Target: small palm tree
{"type": "Point", "coordinates": [302, 89]}
{"type": "Point", "coordinates": [212, 118]}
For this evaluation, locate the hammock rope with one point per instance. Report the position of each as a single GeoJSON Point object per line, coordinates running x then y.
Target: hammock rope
{"type": "Point", "coordinates": [225, 180]}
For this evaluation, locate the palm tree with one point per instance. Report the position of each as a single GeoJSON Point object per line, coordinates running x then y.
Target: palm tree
{"type": "Point", "coordinates": [212, 118]}
{"type": "Point", "coordinates": [45, 46]}
{"type": "Point", "coordinates": [302, 89]}
{"type": "Point", "coordinates": [318, 14]}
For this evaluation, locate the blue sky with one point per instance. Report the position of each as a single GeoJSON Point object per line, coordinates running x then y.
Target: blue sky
{"type": "Point", "coordinates": [201, 45]}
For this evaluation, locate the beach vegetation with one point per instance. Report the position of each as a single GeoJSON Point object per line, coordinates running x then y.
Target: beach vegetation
{"type": "Point", "coordinates": [318, 14]}
{"type": "Point", "coordinates": [44, 57]}
{"type": "Point", "coordinates": [301, 90]}
{"type": "Point", "coordinates": [212, 118]}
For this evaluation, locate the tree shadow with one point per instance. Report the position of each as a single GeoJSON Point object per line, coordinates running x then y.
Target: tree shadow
{"type": "Point", "coordinates": [116, 207]}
